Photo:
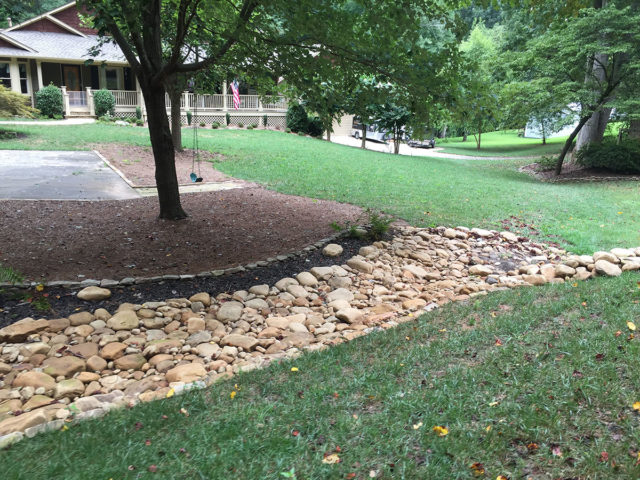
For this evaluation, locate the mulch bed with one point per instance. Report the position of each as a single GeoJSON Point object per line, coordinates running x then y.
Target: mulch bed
{"type": "Point", "coordinates": [137, 164]}
{"type": "Point", "coordinates": [575, 173]}
{"type": "Point", "coordinates": [60, 302]}
{"type": "Point", "coordinates": [70, 240]}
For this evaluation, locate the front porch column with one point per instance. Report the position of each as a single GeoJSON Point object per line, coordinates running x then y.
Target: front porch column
{"type": "Point", "coordinates": [225, 107]}
{"type": "Point", "coordinates": [65, 101]}
{"type": "Point", "coordinates": [102, 77]}
{"type": "Point", "coordinates": [14, 72]}
{"type": "Point", "coordinates": [91, 105]}
{"type": "Point", "coordinates": [39, 70]}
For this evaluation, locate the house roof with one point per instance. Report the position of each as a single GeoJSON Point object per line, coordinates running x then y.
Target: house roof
{"type": "Point", "coordinates": [58, 46]}
{"type": "Point", "coordinates": [58, 35]}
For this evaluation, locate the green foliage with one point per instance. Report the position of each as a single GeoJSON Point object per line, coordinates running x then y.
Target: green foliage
{"type": "Point", "coordinates": [297, 118]}
{"type": "Point", "coordinates": [250, 127]}
{"type": "Point", "coordinates": [546, 163]}
{"type": "Point", "coordinates": [287, 130]}
{"type": "Point", "coordinates": [254, 125]}
{"type": "Point", "coordinates": [314, 127]}
{"type": "Point", "coordinates": [15, 104]}
{"type": "Point", "coordinates": [215, 125]}
{"type": "Point", "coordinates": [105, 102]}
{"type": "Point", "coordinates": [49, 101]}
{"type": "Point", "coordinates": [608, 155]}
{"type": "Point", "coordinates": [240, 125]}
{"type": "Point", "coordinates": [202, 124]}
{"type": "Point", "coordinates": [21, 10]}
{"type": "Point", "coordinates": [265, 120]}
{"type": "Point", "coordinates": [139, 122]}
{"type": "Point", "coordinates": [9, 275]}
{"type": "Point", "coordinates": [379, 224]}
{"type": "Point", "coordinates": [139, 113]}
{"type": "Point", "coordinates": [189, 117]}
{"type": "Point", "coordinates": [227, 118]}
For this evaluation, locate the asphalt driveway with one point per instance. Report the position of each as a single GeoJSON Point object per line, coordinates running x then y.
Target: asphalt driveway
{"type": "Point", "coordinates": [48, 175]}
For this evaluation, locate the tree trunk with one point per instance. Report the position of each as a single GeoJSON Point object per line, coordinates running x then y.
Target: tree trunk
{"type": "Point", "coordinates": [176, 120]}
{"type": "Point", "coordinates": [163, 154]}
{"type": "Point", "coordinates": [396, 142]}
{"type": "Point", "coordinates": [363, 145]}
{"type": "Point", "coordinates": [479, 139]}
{"type": "Point", "coordinates": [593, 131]}
{"type": "Point", "coordinates": [464, 136]}
{"type": "Point", "coordinates": [567, 144]}
{"type": "Point", "coordinates": [444, 132]}
{"type": "Point", "coordinates": [634, 129]}
{"type": "Point", "coordinates": [328, 135]}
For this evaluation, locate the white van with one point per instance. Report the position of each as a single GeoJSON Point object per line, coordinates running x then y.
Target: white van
{"type": "Point", "coordinates": [373, 133]}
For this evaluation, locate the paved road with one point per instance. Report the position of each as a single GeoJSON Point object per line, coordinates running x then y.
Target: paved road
{"type": "Point", "coordinates": [45, 175]}
{"type": "Point", "coordinates": [413, 152]}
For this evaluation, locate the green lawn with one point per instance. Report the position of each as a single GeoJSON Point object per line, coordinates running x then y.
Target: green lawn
{"type": "Point", "coordinates": [583, 217]}
{"type": "Point", "coordinates": [551, 399]}
{"type": "Point", "coordinates": [504, 143]}
{"type": "Point", "coordinates": [546, 403]}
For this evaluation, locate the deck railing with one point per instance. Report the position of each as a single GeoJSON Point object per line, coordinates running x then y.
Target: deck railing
{"type": "Point", "coordinates": [125, 98]}
{"type": "Point", "coordinates": [191, 101]}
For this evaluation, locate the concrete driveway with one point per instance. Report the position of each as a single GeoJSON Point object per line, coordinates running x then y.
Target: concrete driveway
{"type": "Point", "coordinates": [45, 175]}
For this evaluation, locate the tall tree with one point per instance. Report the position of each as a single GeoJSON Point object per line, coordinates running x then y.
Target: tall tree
{"type": "Point", "coordinates": [560, 56]}
{"type": "Point", "coordinates": [256, 36]}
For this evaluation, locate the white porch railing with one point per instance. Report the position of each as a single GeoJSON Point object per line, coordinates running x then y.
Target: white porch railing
{"type": "Point", "coordinates": [125, 98]}
{"type": "Point", "coordinates": [191, 101]}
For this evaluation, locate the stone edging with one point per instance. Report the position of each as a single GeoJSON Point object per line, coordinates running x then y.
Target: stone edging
{"type": "Point", "coordinates": [57, 372]}
{"type": "Point", "coordinates": [127, 281]}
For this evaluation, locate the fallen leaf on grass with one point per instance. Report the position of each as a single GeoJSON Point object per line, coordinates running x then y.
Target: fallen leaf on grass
{"type": "Point", "coordinates": [556, 451]}
{"type": "Point", "coordinates": [184, 412]}
{"type": "Point", "coordinates": [233, 394]}
{"type": "Point", "coordinates": [331, 459]}
{"type": "Point", "coordinates": [502, 477]}
{"type": "Point", "coordinates": [171, 393]}
{"type": "Point", "coordinates": [440, 430]}
{"type": "Point", "coordinates": [294, 369]}
{"type": "Point", "coordinates": [295, 433]}
{"type": "Point", "coordinates": [498, 342]}
{"type": "Point", "coordinates": [532, 447]}
{"type": "Point", "coordinates": [477, 468]}
{"type": "Point", "coordinates": [350, 475]}
{"type": "Point", "coordinates": [417, 425]}
{"type": "Point", "coordinates": [153, 468]}
{"type": "Point", "coordinates": [138, 425]}
{"type": "Point", "coordinates": [631, 326]}
{"type": "Point", "coordinates": [636, 405]}
{"type": "Point", "coordinates": [147, 442]}
{"type": "Point", "coordinates": [604, 457]}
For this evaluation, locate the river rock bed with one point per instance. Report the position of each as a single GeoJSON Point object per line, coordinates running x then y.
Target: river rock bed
{"type": "Point", "coordinates": [54, 371]}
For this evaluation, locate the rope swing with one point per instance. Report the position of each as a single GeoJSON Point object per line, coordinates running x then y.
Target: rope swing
{"type": "Point", "coordinates": [195, 178]}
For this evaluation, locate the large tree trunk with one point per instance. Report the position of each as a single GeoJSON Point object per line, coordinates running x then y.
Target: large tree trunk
{"type": "Point", "coordinates": [363, 145]}
{"type": "Point", "coordinates": [634, 129]}
{"type": "Point", "coordinates": [176, 118]}
{"type": "Point", "coordinates": [567, 144]}
{"type": "Point", "coordinates": [163, 154]}
{"type": "Point", "coordinates": [396, 142]}
{"type": "Point", "coordinates": [328, 135]}
{"type": "Point", "coordinates": [593, 131]}
{"type": "Point", "coordinates": [464, 136]}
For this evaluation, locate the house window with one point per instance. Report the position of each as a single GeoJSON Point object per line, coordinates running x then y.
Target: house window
{"type": "Point", "coordinates": [22, 68]}
{"type": "Point", "coordinates": [5, 75]}
{"type": "Point", "coordinates": [112, 79]}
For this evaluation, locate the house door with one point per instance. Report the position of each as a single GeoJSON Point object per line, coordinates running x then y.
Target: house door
{"type": "Point", "coordinates": [71, 75]}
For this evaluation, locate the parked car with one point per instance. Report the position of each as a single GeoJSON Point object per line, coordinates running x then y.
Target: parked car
{"type": "Point", "coordinates": [429, 143]}
{"type": "Point", "coordinates": [373, 131]}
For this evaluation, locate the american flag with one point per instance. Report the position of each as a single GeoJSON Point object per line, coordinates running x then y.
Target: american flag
{"type": "Point", "coordinates": [236, 94]}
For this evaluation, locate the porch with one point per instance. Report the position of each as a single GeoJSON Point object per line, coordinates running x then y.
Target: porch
{"type": "Point", "coordinates": [207, 108]}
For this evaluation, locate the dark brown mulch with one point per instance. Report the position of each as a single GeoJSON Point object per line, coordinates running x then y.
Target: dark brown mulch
{"type": "Point", "coordinates": [573, 172]}
{"type": "Point", "coordinates": [62, 240]}
{"type": "Point", "coordinates": [60, 302]}
{"type": "Point", "coordinates": [137, 164]}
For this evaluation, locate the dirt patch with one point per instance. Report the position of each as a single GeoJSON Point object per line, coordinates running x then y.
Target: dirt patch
{"type": "Point", "coordinates": [137, 164]}
{"type": "Point", "coordinates": [69, 240]}
{"type": "Point", "coordinates": [575, 173]}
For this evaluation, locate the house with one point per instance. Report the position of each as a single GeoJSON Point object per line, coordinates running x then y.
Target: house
{"type": "Point", "coordinates": [55, 48]}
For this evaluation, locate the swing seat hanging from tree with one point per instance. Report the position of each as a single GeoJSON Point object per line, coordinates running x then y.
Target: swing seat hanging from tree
{"type": "Point", "coordinates": [195, 178]}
